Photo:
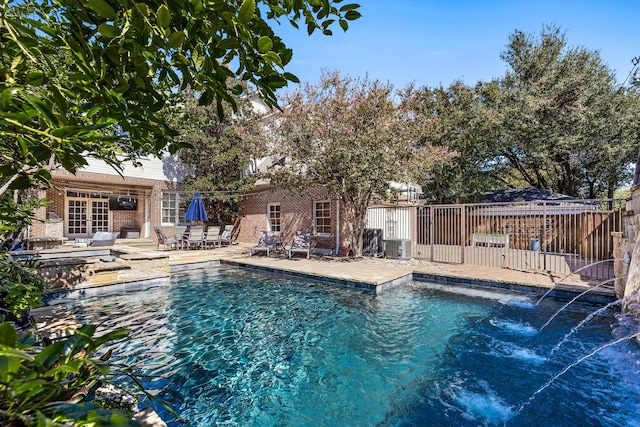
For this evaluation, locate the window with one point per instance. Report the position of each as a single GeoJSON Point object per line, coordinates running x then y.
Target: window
{"type": "Point", "coordinates": [273, 217]}
{"type": "Point", "coordinates": [322, 218]}
{"type": "Point", "coordinates": [413, 194]}
{"type": "Point", "coordinates": [170, 208]}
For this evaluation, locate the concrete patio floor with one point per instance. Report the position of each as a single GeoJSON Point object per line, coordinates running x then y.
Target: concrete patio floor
{"type": "Point", "coordinates": [378, 270]}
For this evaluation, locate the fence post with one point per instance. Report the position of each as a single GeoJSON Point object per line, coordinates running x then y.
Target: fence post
{"type": "Point", "coordinates": [463, 232]}
{"type": "Point", "coordinates": [544, 240]}
{"type": "Point", "coordinates": [413, 229]}
{"type": "Point", "coordinates": [431, 235]}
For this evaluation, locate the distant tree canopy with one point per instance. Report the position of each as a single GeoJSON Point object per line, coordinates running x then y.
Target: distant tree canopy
{"type": "Point", "coordinates": [567, 125]}
{"type": "Point", "coordinates": [557, 120]}
{"type": "Point", "coordinates": [456, 120]}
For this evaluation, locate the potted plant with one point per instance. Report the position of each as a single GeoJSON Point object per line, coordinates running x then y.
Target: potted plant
{"type": "Point", "coordinates": [345, 250]}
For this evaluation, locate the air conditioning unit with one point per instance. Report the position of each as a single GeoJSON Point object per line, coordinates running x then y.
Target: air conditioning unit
{"type": "Point", "coordinates": [372, 242]}
{"type": "Point", "coordinates": [397, 249]}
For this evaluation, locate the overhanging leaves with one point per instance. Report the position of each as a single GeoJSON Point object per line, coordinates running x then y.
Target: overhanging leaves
{"type": "Point", "coordinates": [91, 78]}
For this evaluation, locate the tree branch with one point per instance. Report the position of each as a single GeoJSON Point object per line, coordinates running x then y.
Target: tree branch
{"type": "Point", "coordinates": [25, 169]}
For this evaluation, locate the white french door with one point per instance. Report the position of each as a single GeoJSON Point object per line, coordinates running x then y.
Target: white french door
{"type": "Point", "coordinates": [85, 216]}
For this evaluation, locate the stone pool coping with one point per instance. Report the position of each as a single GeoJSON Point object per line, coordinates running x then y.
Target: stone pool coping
{"type": "Point", "coordinates": [377, 276]}
{"type": "Point", "coordinates": [373, 275]}
{"type": "Point", "coordinates": [391, 279]}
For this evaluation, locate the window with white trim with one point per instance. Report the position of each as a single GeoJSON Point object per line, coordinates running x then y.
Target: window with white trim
{"type": "Point", "coordinates": [273, 217]}
{"type": "Point", "coordinates": [322, 218]}
{"type": "Point", "coordinates": [413, 194]}
{"type": "Point", "coordinates": [170, 209]}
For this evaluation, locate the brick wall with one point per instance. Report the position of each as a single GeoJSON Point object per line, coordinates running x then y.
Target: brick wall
{"type": "Point", "coordinates": [128, 219]}
{"type": "Point", "coordinates": [296, 214]}
{"type": "Point", "coordinates": [148, 191]}
{"type": "Point", "coordinates": [296, 209]}
{"type": "Point", "coordinates": [38, 228]}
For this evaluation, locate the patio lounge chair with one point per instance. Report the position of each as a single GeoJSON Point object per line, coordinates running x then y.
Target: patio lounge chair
{"type": "Point", "coordinates": [195, 237]}
{"type": "Point", "coordinates": [104, 238]}
{"type": "Point", "coordinates": [225, 237]}
{"type": "Point", "coordinates": [301, 243]}
{"type": "Point", "coordinates": [101, 238]}
{"type": "Point", "coordinates": [266, 243]}
{"type": "Point", "coordinates": [163, 240]}
{"type": "Point", "coordinates": [212, 238]}
{"type": "Point", "coordinates": [180, 233]}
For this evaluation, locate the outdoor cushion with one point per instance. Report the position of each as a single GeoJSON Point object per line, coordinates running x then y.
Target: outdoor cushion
{"type": "Point", "coordinates": [301, 243]}
{"type": "Point", "coordinates": [104, 238]}
{"type": "Point", "coordinates": [266, 242]}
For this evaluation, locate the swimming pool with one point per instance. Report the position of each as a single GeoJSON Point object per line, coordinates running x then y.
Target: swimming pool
{"type": "Point", "coordinates": [239, 347]}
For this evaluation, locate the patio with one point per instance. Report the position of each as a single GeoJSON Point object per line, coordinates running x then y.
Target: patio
{"type": "Point", "coordinates": [135, 260]}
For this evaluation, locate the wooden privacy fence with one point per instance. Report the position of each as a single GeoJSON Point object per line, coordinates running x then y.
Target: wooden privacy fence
{"type": "Point", "coordinates": [558, 236]}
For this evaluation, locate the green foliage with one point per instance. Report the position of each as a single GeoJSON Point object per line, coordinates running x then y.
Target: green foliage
{"type": "Point", "coordinates": [622, 193]}
{"type": "Point", "coordinates": [220, 149]}
{"type": "Point", "coordinates": [16, 215]}
{"type": "Point", "coordinates": [349, 136]}
{"type": "Point", "coordinates": [456, 120]}
{"type": "Point", "coordinates": [566, 125]}
{"type": "Point", "coordinates": [557, 120]}
{"type": "Point", "coordinates": [21, 288]}
{"type": "Point", "coordinates": [48, 384]}
{"type": "Point", "coordinates": [90, 79]}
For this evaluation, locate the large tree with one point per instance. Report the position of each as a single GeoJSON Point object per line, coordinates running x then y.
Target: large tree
{"type": "Point", "coordinates": [221, 147]}
{"type": "Point", "coordinates": [350, 136]}
{"type": "Point", "coordinates": [611, 144]}
{"type": "Point", "coordinates": [567, 125]}
{"type": "Point", "coordinates": [457, 120]}
{"type": "Point", "coordinates": [89, 78]}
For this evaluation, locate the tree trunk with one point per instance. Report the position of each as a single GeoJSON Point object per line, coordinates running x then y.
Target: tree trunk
{"type": "Point", "coordinates": [355, 213]}
{"type": "Point", "coordinates": [520, 167]}
{"type": "Point", "coordinates": [592, 189]}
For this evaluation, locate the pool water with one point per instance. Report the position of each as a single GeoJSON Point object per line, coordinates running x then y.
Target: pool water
{"type": "Point", "coordinates": [241, 348]}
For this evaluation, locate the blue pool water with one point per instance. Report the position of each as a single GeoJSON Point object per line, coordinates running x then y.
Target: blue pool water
{"type": "Point", "coordinates": [240, 348]}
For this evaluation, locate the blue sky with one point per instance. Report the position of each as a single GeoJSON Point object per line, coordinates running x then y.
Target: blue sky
{"type": "Point", "coordinates": [436, 42]}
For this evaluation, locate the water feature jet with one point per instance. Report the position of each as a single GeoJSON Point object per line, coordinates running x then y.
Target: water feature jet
{"type": "Point", "coordinates": [583, 322]}
{"type": "Point", "coordinates": [588, 318]}
{"type": "Point", "coordinates": [574, 299]}
{"type": "Point", "coordinates": [555, 285]}
{"type": "Point", "coordinates": [568, 367]}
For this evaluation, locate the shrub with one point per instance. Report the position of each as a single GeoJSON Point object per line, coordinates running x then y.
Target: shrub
{"type": "Point", "coordinates": [47, 384]}
{"type": "Point", "coordinates": [21, 288]}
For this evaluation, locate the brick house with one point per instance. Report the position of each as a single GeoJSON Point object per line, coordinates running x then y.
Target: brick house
{"type": "Point", "coordinates": [318, 212]}
{"type": "Point", "coordinates": [97, 198]}
{"type": "Point", "coordinates": [283, 212]}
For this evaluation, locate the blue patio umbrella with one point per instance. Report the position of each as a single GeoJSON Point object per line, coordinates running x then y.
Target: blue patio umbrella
{"type": "Point", "coordinates": [196, 211]}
